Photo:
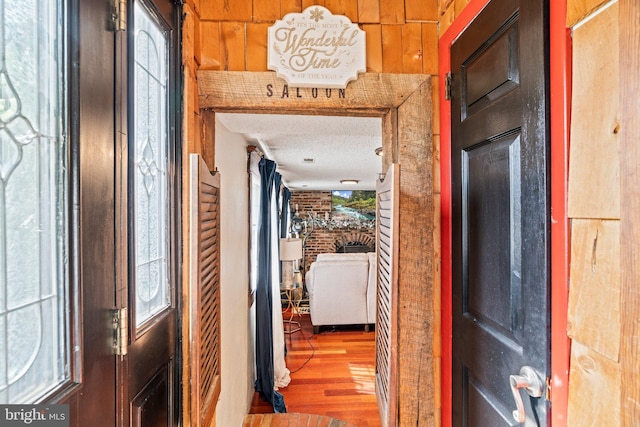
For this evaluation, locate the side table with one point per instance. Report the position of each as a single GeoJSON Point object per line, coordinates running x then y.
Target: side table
{"type": "Point", "coordinates": [293, 307]}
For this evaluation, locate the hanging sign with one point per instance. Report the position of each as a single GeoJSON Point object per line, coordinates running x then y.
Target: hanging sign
{"type": "Point", "coordinates": [316, 49]}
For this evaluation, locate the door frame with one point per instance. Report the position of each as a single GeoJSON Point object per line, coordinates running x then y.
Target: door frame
{"type": "Point", "coordinates": [560, 86]}
{"type": "Point", "coordinates": [403, 102]}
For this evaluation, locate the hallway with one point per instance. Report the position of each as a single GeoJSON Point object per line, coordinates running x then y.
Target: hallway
{"type": "Point", "coordinates": [332, 374]}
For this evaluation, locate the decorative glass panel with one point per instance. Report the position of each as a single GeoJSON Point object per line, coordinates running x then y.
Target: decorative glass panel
{"type": "Point", "coordinates": [34, 322]}
{"type": "Point", "coordinates": [151, 183]}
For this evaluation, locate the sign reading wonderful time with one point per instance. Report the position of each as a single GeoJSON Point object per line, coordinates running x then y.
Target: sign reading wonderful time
{"type": "Point", "coordinates": [316, 49]}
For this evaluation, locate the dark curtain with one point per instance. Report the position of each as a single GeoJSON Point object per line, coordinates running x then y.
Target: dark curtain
{"type": "Point", "coordinates": [264, 309]}
{"type": "Point", "coordinates": [284, 216]}
{"type": "Point", "coordinates": [277, 181]}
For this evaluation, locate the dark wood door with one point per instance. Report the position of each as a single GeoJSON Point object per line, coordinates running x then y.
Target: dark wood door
{"type": "Point", "coordinates": [150, 370]}
{"type": "Point", "coordinates": [500, 172]}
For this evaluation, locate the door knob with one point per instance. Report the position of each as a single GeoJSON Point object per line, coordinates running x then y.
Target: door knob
{"type": "Point", "coordinates": [531, 383]}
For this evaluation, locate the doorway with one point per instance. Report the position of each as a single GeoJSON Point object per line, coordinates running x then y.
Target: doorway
{"type": "Point", "coordinates": [403, 103]}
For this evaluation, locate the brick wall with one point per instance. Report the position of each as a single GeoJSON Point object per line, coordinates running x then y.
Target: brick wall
{"type": "Point", "coordinates": [322, 240]}
{"type": "Point", "coordinates": [316, 203]}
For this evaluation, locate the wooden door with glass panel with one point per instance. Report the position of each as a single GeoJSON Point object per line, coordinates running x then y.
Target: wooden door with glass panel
{"type": "Point", "coordinates": [57, 276]}
{"type": "Point", "coordinates": [68, 195]}
{"type": "Point", "coordinates": [150, 374]}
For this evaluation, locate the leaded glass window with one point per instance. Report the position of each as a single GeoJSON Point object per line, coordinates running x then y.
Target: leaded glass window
{"type": "Point", "coordinates": [151, 182]}
{"type": "Point", "coordinates": [34, 327]}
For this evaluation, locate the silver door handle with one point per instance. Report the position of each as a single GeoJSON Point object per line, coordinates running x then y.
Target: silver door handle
{"type": "Point", "coordinates": [528, 380]}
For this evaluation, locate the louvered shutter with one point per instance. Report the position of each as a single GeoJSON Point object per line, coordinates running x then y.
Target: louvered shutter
{"type": "Point", "coordinates": [204, 298]}
{"type": "Point", "coordinates": [387, 306]}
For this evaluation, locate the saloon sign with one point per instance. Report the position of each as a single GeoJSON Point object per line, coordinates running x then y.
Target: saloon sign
{"type": "Point", "coordinates": [316, 49]}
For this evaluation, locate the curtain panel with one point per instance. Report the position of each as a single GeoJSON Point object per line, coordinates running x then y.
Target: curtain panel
{"type": "Point", "coordinates": [267, 325]}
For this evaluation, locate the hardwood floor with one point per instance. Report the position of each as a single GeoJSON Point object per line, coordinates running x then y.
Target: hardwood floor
{"type": "Point", "coordinates": [332, 374]}
{"type": "Point", "coordinates": [292, 420]}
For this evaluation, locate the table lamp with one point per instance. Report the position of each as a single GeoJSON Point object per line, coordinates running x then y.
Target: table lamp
{"type": "Point", "coordinates": [290, 254]}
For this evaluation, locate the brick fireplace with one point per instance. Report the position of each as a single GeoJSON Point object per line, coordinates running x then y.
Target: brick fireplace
{"type": "Point", "coordinates": [323, 240]}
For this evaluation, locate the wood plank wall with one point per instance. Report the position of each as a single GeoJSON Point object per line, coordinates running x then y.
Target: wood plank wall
{"type": "Point", "coordinates": [402, 37]}
{"type": "Point", "coordinates": [594, 318]}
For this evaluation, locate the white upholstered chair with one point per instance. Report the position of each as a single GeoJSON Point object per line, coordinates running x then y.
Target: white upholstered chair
{"type": "Point", "coordinates": [342, 289]}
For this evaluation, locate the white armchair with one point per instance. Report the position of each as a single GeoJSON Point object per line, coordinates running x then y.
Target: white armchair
{"type": "Point", "coordinates": [342, 289]}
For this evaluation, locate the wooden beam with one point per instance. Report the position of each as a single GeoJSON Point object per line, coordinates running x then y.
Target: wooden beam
{"type": "Point", "coordinates": [208, 136]}
{"type": "Point", "coordinates": [629, 17]}
{"type": "Point", "coordinates": [416, 378]}
{"type": "Point", "coordinates": [265, 91]}
{"type": "Point", "coordinates": [389, 139]}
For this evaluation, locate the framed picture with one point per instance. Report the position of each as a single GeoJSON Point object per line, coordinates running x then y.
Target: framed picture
{"type": "Point", "coordinates": [353, 205]}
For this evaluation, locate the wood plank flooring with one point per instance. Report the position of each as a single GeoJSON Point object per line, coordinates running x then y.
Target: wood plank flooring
{"type": "Point", "coordinates": [332, 374]}
{"type": "Point", "coordinates": [292, 420]}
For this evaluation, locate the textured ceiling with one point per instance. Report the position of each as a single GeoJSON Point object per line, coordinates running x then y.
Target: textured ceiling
{"type": "Point", "coordinates": [340, 147]}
